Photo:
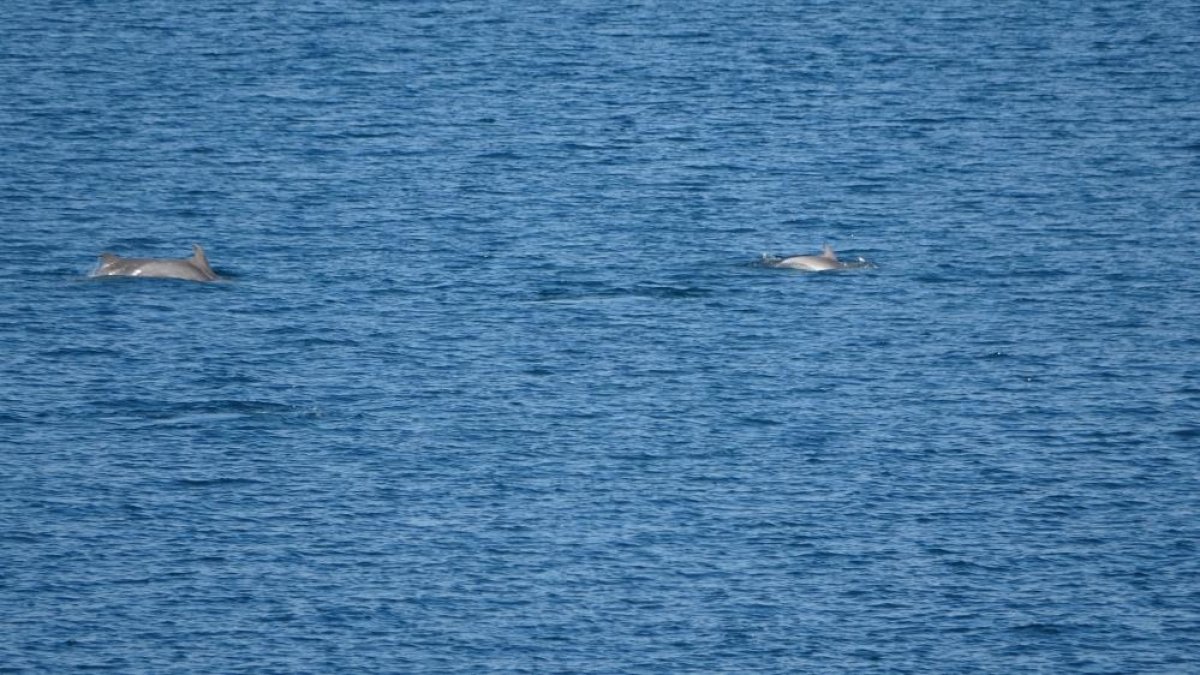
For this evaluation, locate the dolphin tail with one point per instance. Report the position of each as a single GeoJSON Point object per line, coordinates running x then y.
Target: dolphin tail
{"type": "Point", "coordinates": [199, 259]}
{"type": "Point", "coordinates": [827, 252]}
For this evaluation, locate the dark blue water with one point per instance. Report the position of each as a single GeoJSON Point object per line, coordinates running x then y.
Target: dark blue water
{"type": "Point", "coordinates": [495, 384]}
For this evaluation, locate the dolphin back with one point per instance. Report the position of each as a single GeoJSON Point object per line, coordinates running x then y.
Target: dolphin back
{"type": "Point", "coordinates": [195, 268]}
{"type": "Point", "coordinates": [826, 260]}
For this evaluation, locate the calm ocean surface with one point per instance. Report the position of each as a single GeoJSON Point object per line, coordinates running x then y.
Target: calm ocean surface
{"type": "Point", "coordinates": [497, 385]}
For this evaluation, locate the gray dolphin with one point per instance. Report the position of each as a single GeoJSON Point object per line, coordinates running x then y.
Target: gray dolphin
{"type": "Point", "coordinates": [195, 268]}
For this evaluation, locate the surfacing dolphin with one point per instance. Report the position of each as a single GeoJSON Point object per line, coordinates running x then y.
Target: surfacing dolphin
{"type": "Point", "coordinates": [826, 261]}
{"type": "Point", "coordinates": [195, 268]}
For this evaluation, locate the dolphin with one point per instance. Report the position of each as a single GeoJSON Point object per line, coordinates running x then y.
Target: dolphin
{"type": "Point", "coordinates": [827, 260]}
{"type": "Point", "coordinates": [195, 268]}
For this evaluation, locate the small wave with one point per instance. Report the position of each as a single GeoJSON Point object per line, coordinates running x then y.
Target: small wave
{"type": "Point", "coordinates": [324, 342]}
{"type": "Point", "coordinates": [153, 414]}
{"type": "Point", "coordinates": [22, 538]}
{"type": "Point", "coordinates": [759, 421]}
{"type": "Point", "coordinates": [663, 291]}
{"type": "Point", "coordinates": [1042, 629]}
{"type": "Point", "coordinates": [74, 352]}
{"type": "Point", "coordinates": [216, 482]}
{"type": "Point", "coordinates": [216, 406]}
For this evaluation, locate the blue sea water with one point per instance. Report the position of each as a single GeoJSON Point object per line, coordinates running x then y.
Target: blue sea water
{"type": "Point", "coordinates": [496, 384]}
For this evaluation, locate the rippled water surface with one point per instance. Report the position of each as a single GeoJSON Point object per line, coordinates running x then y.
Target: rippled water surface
{"type": "Point", "coordinates": [496, 381]}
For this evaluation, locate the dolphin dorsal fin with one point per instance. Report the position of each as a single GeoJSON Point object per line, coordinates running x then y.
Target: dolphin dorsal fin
{"type": "Point", "coordinates": [199, 259]}
{"type": "Point", "coordinates": [827, 252]}
{"type": "Point", "coordinates": [106, 258]}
